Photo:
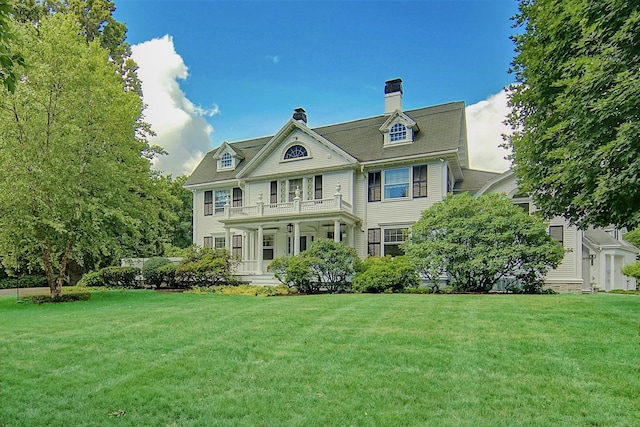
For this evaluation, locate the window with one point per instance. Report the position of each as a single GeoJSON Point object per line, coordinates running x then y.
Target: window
{"type": "Point", "coordinates": [398, 132]}
{"type": "Point", "coordinates": [222, 196]}
{"type": "Point", "coordinates": [524, 206]}
{"type": "Point", "coordinates": [557, 232]}
{"type": "Point", "coordinates": [295, 152]}
{"type": "Point", "coordinates": [208, 242]}
{"type": "Point", "coordinates": [374, 186]}
{"type": "Point", "coordinates": [225, 161]}
{"type": "Point", "coordinates": [393, 238]}
{"type": "Point", "coordinates": [396, 183]}
{"type": "Point", "coordinates": [267, 246]}
{"type": "Point", "coordinates": [273, 192]}
{"type": "Point", "coordinates": [420, 181]}
{"type": "Point", "coordinates": [317, 187]}
{"type": "Point", "coordinates": [237, 197]}
{"type": "Point", "coordinates": [294, 184]}
{"type": "Point", "coordinates": [208, 202]}
{"type": "Point", "coordinates": [236, 245]}
{"type": "Point", "coordinates": [373, 242]}
{"type": "Point", "coordinates": [218, 243]}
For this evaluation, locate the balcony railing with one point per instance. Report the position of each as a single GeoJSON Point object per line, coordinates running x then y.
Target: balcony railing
{"type": "Point", "coordinates": [297, 206]}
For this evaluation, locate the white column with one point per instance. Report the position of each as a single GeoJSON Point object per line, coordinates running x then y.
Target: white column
{"type": "Point", "coordinates": [336, 230]}
{"type": "Point", "coordinates": [612, 272]}
{"type": "Point", "coordinates": [227, 238]}
{"type": "Point", "coordinates": [296, 238]}
{"type": "Point", "coordinates": [259, 251]}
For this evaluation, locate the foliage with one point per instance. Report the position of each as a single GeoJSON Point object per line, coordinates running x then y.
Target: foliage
{"type": "Point", "coordinates": [67, 297]}
{"type": "Point", "coordinates": [575, 109]}
{"type": "Point", "coordinates": [8, 59]}
{"type": "Point", "coordinates": [248, 290]}
{"type": "Point", "coordinates": [167, 274]}
{"type": "Point", "coordinates": [76, 185]}
{"type": "Point", "coordinates": [150, 270]}
{"type": "Point", "coordinates": [633, 237]}
{"type": "Point", "coordinates": [119, 277]}
{"type": "Point", "coordinates": [476, 241]}
{"type": "Point", "coordinates": [326, 264]}
{"type": "Point", "coordinates": [91, 279]}
{"type": "Point", "coordinates": [386, 274]}
{"type": "Point", "coordinates": [632, 270]}
{"type": "Point", "coordinates": [23, 281]}
{"type": "Point", "coordinates": [204, 266]}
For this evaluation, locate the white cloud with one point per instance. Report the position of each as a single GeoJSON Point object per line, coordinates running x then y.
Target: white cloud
{"type": "Point", "coordinates": [274, 58]}
{"type": "Point", "coordinates": [484, 133]}
{"type": "Point", "coordinates": [179, 125]}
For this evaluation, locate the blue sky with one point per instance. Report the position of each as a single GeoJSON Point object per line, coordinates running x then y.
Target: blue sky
{"type": "Point", "coordinates": [217, 71]}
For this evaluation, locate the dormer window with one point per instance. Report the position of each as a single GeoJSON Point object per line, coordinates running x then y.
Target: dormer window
{"type": "Point", "coordinates": [398, 132]}
{"type": "Point", "coordinates": [296, 152]}
{"type": "Point", "coordinates": [226, 161]}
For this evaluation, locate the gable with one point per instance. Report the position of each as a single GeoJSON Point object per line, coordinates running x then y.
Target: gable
{"type": "Point", "coordinates": [296, 148]}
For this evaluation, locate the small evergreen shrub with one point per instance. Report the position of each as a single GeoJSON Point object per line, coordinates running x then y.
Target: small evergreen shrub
{"type": "Point", "coordinates": [23, 281]}
{"type": "Point", "coordinates": [386, 274]}
{"type": "Point", "coordinates": [42, 299]}
{"type": "Point", "coordinates": [150, 270]}
{"type": "Point", "coordinates": [249, 290]}
{"type": "Point", "coordinates": [167, 275]}
{"type": "Point", "coordinates": [206, 267]}
{"type": "Point", "coordinates": [91, 279]}
{"type": "Point", "coordinates": [119, 277]}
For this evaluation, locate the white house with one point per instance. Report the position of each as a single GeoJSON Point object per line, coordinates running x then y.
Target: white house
{"type": "Point", "coordinates": [363, 182]}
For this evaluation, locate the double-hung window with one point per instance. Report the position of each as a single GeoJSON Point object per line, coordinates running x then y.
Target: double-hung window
{"type": "Point", "coordinates": [237, 197]}
{"type": "Point", "coordinates": [398, 133]}
{"type": "Point", "coordinates": [373, 242]}
{"type": "Point", "coordinates": [557, 232]}
{"type": "Point", "coordinates": [222, 196]}
{"type": "Point", "coordinates": [396, 183]}
{"type": "Point", "coordinates": [393, 238]}
{"type": "Point", "coordinates": [420, 181]}
{"type": "Point", "coordinates": [317, 187]}
{"type": "Point", "coordinates": [208, 202]}
{"type": "Point", "coordinates": [226, 160]}
{"type": "Point", "coordinates": [374, 186]}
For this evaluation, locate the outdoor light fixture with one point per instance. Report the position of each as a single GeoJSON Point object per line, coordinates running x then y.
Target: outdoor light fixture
{"type": "Point", "coordinates": [289, 228]}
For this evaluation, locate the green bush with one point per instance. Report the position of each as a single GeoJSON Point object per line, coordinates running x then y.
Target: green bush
{"type": "Point", "coordinates": [91, 279]}
{"type": "Point", "coordinates": [632, 270]}
{"type": "Point", "coordinates": [325, 265]}
{"type": "Point", "coordinates": [249, 290]}
{"type": "Point", "coordinates": [167, 274]}
{"type": "Point", "coordinates": [119, 277]}
{"type": "Point", "coordinates": [41, 299]}
{"type": "Point", "coordinates": [23, 281]}
{"type": "Point", "coordinates": [386, 274]}
{"type": "Point", "coordinates": [150, 270]}
{"type": "Point", "coordinates": [206, 267]}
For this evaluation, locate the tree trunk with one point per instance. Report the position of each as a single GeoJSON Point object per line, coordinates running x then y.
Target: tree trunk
{"type": "Point", "coordinates": [54, 289]}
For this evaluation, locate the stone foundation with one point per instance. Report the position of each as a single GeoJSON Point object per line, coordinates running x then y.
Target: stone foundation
{"type": "Point", "coordinates": [565, 288]}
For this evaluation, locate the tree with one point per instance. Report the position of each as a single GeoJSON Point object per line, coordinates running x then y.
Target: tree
{"type": "Point", "coordinates": [478, 241]}
{"type": "Point", "coordinates": [8, 59]}
{"type": "Point", "coordinates": [575, 120]}
{"type": "Point", "coordinates": [633, 237]}
{"type": "Point", "coordinates": [76, 185]}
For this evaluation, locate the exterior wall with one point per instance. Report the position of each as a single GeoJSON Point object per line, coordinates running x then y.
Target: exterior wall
{"type": "Point", "coordinates": [569, 272]}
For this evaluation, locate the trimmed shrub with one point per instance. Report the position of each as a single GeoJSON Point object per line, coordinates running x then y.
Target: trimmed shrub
{"type": "Point", "coordinates": [248, 290]}
{"type": "Point", "coordinates": [386, 275]}
{"type": "Point", "coordinates": [119, 277]}
{"type": "Point", "coordinates": [150, 270]}
{"type": "Point", "coordinates": [91, 279]}
{"type": "Point", "coordinates": [41, 299]}
{"type": "Point", "coordinates": [24, 281]}
{"type": "Point", "coordinates": [167, 274]}
{"type": "Point", "coordinates": [206, 267]}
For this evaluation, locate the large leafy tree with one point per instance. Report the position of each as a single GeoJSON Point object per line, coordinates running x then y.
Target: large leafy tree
{"type": "Point", "coordinates": [478, 241]}
{"type": "Point", "coordinates": [8, 59]}
{"type": "Point", "coordinates": [76, 185]}
{"type": "Point", "coordinates": [576, 109]}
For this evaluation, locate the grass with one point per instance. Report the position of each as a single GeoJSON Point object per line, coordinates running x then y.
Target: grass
{"type": "Point", "coordinates": [138, 358]}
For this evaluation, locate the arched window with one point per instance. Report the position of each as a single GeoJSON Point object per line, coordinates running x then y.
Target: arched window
{"type": "Point", "coordinates": [225, 161]}
{"type": "Point", "coordinates": [295, 152]}
{"type": "Point", "coordinates": [398, 132]}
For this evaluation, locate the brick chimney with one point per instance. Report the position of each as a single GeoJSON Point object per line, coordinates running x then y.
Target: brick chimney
{"type": "Point", "coordinates": [300, 115]}
{"type": "Point", "coordinates": [392, 96]}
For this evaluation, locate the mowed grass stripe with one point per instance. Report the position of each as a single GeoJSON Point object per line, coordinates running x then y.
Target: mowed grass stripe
{"type": "Point", "coordinates": [202, 360]}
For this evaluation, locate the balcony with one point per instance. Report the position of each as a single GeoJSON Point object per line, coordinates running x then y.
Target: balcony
{"type": "Point", "coordinates": [288, 209]}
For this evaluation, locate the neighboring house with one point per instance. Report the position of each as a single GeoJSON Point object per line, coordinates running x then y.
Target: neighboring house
{"type": "Point", "coordinates": [363, 182]}
{"type": "Point", "coordinates": [594, 257]}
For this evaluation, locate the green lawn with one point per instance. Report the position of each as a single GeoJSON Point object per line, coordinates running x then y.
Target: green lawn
{"type": "Point", "coordinates": [328, 360]}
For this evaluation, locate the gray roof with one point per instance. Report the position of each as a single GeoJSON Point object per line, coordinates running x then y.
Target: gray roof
{"type": "Point", "coordinates": [442, 128]}
{"type": "Point", "coordinates": [599, 238]}
{"type": "Point", "coordinates": [473, 180]}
